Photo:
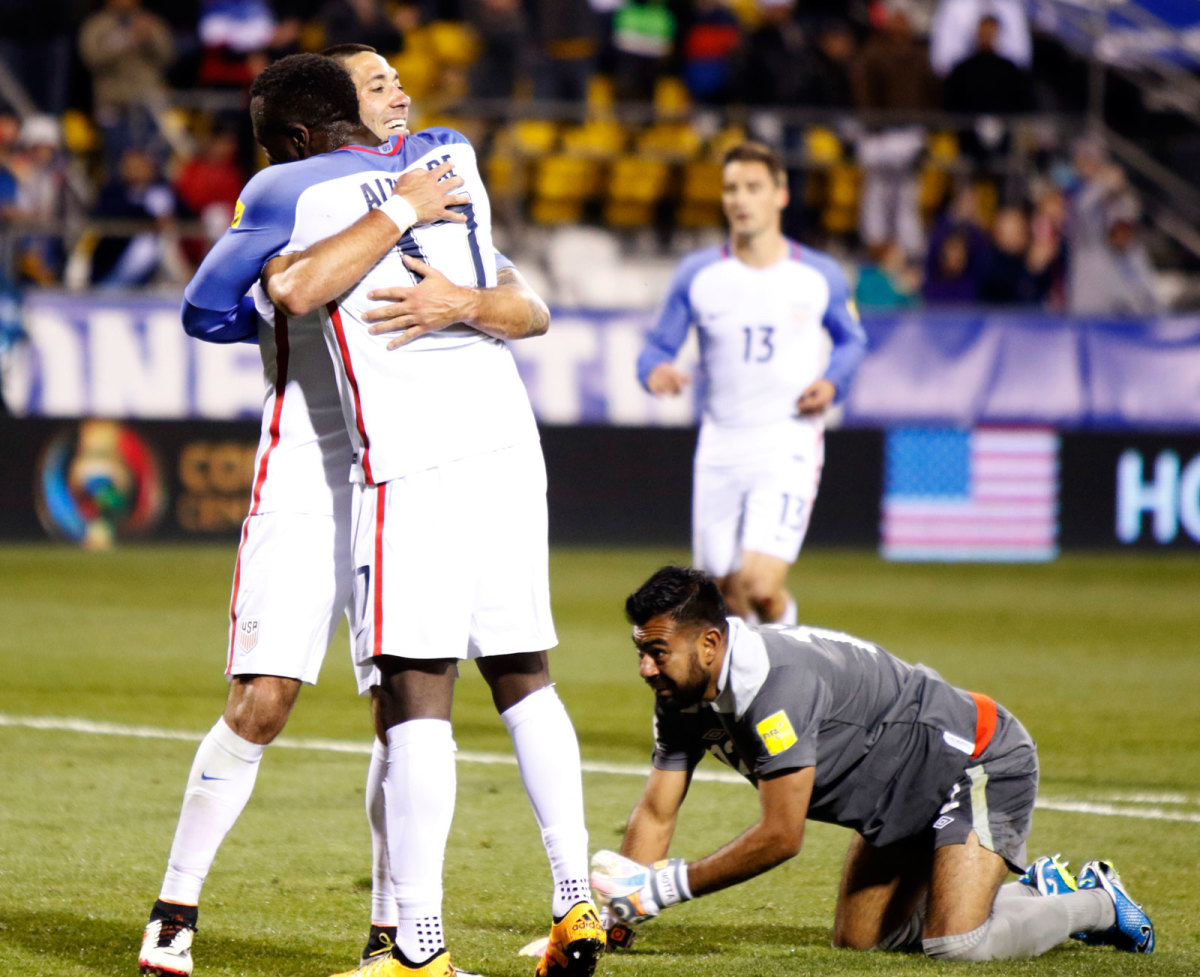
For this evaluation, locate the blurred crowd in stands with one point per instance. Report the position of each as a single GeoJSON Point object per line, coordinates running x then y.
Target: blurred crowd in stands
{"type": "Point", "coordinates": [916, 133]}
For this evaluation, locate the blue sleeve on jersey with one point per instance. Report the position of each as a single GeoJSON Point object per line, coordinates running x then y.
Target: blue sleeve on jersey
{"type": "Point", "coordinates": [669, 333]}
{"type": "Point", "coordinates": [239, 325]}
{"type": "Point", "coordinates": [212, 299]}
{"type": "Point", "coordinates": [503, 262]}
{"type": "Point", "coordinates": [841, 322]}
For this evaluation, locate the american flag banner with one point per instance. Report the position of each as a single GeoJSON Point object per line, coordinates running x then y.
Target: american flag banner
{"type": "Point", "coordinates": [984, 494]}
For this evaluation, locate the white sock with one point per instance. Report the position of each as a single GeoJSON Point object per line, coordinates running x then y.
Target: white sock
{"type": "Point", "coordinates": [419, 806]}
{"type": "Point", "coordinates": [383, 893]}
{"type": "Point", "coordinates": [219, 785]}
{"type": "Point", "coordinates": [548, 756]}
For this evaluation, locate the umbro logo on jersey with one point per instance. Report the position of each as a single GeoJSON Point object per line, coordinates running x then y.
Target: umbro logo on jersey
{"type": "Point", "coordinates": [942, 822]}
{"type": "Point", "coordinates": [714, 735]}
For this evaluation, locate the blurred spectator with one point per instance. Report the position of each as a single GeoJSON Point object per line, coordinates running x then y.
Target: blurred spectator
{"type": "Point", "coordinates": [35, 43]}
{"type": "Point", "coordinates": [887, 282]}
{"type": "Point", "coordinates": [361, 22]}
{"type": "Point", "coordinates": [773, 57]}
{"type": "Point", "coordinates": [238, 39]}
{"type": "Point", "coordinates": [568, 44]}
{"type": "Point", "coordinates": [828, 83]}
{"type": "Point", "coordinates": [128, 50]}
{"type": "Point", "coordinates": [987, 84]}
{"type": "Point", "coordinates": [137, 192]}
{"type": "Point", "coordinates": [501, 27]}
{"type": "Point", "coordinates": [1115, 277]}
{"type": "Point", "coordinates": [43, 197]}
{"type": "Point", "coordinates": [1011, 277]}
{"type": "Point", "coordinates": [710, 43]}
{"type": "Point", "coordinates": [643, 40]}
{"type": "Point", "coordinates": [892, 73]}
{"type": "Point", "coordinates": [952, 32]}
{"type": "Point", "coordinates": [208, 185]}
{"type": "Point", "coordinates": [1048, 249]}
{"type": "Point", "coordinates": [951, 279]}
{"type": "Point", "coordinates": [10, 127]}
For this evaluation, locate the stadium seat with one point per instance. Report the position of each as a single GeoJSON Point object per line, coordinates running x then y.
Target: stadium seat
{"type": "Point", "coordinates": [562, 186]}
{"type": "Point", "coordinates": [453, 42]}
{"type": "Point", "coordinates": [822, 146]}
{"type": "Point", "coordinates": [635, 188]}
{"type": "Point", "coordinates": [672, 142]}
{"type": "Point", "coordinates": [418, 71]}
{"type": "Point", "coordinates": [700, 203]}
{"type": "Point", "coordinates": [840, 215]}
{"type": "Point", "coordinates": [534, 137]}
{"type": "Point", "coordinates": [599, 138]}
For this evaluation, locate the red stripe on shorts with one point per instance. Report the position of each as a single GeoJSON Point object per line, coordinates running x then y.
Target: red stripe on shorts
{"type": "Point", "coordinates": [282, 350]}
{"type": "Point", "coordinates": [335, 316]}
{"type": "Point", "coordinates": [377, 609]}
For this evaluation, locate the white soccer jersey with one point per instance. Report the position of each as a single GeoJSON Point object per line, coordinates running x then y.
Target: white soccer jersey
{"type": "Point", "coordinates": [414, 408]}
{"type": "Point", "coordinates": [763, 341]}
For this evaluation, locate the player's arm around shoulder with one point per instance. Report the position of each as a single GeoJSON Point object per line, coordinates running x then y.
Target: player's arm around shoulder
{"type": "Point", "coordinates": [300, 282]}
{"type": "Point", "coordinates": [510, 309]}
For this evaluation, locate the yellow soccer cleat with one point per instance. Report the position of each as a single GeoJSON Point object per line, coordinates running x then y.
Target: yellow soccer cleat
{"type": "Point", "coordinates": [576, 942]}
{"type": "Point", "coordinates": [392, 966]}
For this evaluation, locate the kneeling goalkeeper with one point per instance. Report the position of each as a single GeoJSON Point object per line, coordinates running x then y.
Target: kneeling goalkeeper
{"type": "Point", "coordinates": [938, 784]}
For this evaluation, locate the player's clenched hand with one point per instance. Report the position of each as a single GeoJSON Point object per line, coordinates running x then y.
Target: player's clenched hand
{"type": "Point", "coordinates": [430, 198]}
{"type": "Point", "coordinates": [634, 893]}
{"type": "Point", "coordinates": [817, 397]}
{"type": "Point", "coordinates": [416, 310]}
{"type": "Point", "coordinates": [667, 378]}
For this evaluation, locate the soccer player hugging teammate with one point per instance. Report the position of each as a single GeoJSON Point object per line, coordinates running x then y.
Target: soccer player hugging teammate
{"type": "Point", "coordinates": [428, 425]}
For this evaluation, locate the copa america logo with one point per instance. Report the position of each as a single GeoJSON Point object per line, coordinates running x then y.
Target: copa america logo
{"type": "Point", "coordinates": [96, 482]}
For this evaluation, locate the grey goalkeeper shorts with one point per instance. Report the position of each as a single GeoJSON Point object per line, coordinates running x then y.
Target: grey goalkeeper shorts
{"type": "Point", "coordinates": [994, 796]}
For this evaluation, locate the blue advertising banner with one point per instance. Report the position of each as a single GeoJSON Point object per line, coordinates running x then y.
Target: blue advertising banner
{"type": "Point", "coordinates": [127, 357]}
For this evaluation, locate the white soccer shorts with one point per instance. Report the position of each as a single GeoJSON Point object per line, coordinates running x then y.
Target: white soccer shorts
{"type": "Point", "coordinates": [291, 585]}
{"type": "Point", "coordinates": [452, 562]}
{"type": "Point", "coordinates": [761, 508]}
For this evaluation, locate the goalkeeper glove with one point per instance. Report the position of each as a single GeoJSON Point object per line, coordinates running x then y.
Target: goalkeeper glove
{"type": "Point", "coordinates": [617, 935]}
{"type": "Point", "coordinates": [634, 892]}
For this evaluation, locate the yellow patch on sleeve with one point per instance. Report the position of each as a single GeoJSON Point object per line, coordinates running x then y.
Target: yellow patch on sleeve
{"type": "Point", "coordinates": [776, 732]}
{"type": "Point", "coordinates": [238, 210]}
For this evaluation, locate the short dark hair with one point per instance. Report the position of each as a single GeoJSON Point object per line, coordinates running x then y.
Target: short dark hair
{"type": "Point", "coordinates": [305, 89]}
{"type": "Point", "coordinates": [687, 596]}
{"type": "Point", "coordinates": [343, 52]}
{"type": "Point", "coordinates": [757, 152]}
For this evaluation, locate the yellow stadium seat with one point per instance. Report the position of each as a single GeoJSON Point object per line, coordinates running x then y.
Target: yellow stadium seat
{"type": "Point", "coordinates": [822, 147]}
{"type": "Point", "coordinates": [943, 147]}
{"type": "Point", "coordinates": [562, 187]}
{"type": "Point", "coordinates": [535, 137]}
{"type": "Point", "coordinates": [79, 135]}
{"type": "Point", "coordinates": [725, 140]}
{"type": "Point", "coordinates": [453, 42]}
{"type": "Point", "coordinates": [671, 99]}
{"type": "Point", "coordinates": [675, 142]}
{"type": "Point", "coordinates": [418, 71]}
{"type": "Point", "coordinates": [601, 94]}
{"type": "Point", "coordinates": [595, 139]}
{"type": "Point", "coordinates": [933, 187]}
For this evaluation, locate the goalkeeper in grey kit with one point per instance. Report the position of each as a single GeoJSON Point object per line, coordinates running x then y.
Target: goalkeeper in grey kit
{"type": "Point", "coordinates": [937, 783]}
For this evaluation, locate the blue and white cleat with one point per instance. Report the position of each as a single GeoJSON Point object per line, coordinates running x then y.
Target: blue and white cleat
{"type": "Point", "coordinates": [1049, 876]}
{"type": "Point", "coordinates": [1133, 931]}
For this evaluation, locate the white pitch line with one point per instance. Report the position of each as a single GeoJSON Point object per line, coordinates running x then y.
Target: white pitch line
{"type": "Point", "coordinates": [95, 728]}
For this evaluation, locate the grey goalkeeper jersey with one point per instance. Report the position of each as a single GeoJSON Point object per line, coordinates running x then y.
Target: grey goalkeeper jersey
{"type": "Point", "coordinates": [887, 739]}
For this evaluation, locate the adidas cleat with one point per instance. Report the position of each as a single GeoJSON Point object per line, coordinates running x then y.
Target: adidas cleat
{"type": "Point", "coordinates": [1133, 931]}
{"type": "Point", "coordinates": [380, 942]}
{"type": "Point", "coordinates": [167, 947]}
{"type": "Point", "coordinates": [1049, 876]}
{"type": "Point", "coordinates": [389, 965]}
{"type": "Point", "coordinates": [576, 942]}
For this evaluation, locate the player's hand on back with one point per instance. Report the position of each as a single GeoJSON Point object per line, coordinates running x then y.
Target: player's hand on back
{"type": "Point", "coordinates": [416, 310]}
{"type": "Point", "coordinates": [817, 397]}
{"type": "Point", "coordinates": [667, 379]}
{"type": "Point", "coordinates": [430, 198]}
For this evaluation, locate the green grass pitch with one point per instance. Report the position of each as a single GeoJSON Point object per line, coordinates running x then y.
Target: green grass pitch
{"type": "Point", "coordinates": [1099, 656]}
